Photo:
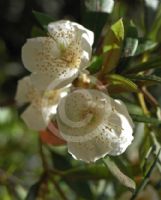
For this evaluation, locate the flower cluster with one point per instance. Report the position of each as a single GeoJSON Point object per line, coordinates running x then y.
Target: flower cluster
{"type": "Point", "coordinates": [88, 120]}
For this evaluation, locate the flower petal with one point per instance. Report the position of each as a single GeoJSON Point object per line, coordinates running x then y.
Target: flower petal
{"type": "Point", "coordinates": [91, 150]}
{"type": "Point", "coordinates": [38, 54]}
{"type": "Point", "coordinates": [63, 32]}
{"type": "Point", "coordinates": [23, 88]}
{"type": "Point", "coordinates": [33, 118]}
{"type": "Point", "coordinates": [60, 78]}
{"type": "Point", "coordinates": [79, 120]}
{"type": "Point", "coordinates": [122, 128]}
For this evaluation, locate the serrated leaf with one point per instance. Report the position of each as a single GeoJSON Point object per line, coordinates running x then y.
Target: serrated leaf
{"type": "Point", "coordinates": [150, 78]}
{"type": "Point", "coordinates": [145, 119]}
{"type": "Point", "coordinates": [116, 79]}
{"type": "Point", "coordinates": [123, 179]}
{"type": "Point", "coordinates": [43, 19]}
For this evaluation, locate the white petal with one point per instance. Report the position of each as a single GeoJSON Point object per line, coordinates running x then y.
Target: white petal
{"type": "Point", "coordinates": [122, 109]}
{"type": "Point", "coordinates": [62, 31]}
{"type": "Point", "coordinates": [23, 87]}
{"type": "Point", "coordinates": [81, 113]}
{"type": "Point", "coordinates": [91, 150]}
{"type": "Point", "coordinates": [84, 32]}
{"type": "Point", "coordinates": [33, 118]}
{"type": "Point", "coordinates": [38, 54]}
{"type": "Point", "coordinates": [122, 129]}
{"type": "Point", "coordinates": [60, 78]}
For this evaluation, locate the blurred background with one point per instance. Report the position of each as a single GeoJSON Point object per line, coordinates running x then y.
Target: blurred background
{"type": "Point", "coordinates": [20, 162]}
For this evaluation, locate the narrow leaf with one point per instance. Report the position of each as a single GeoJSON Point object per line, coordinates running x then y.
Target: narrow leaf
{"type": "Point", "coordinates": [43, 19]}
{"type": "Point", "coordinates": [120, 80]}
{"type": "Point", "coordinates": [146, 177]}
{"type": "Point", "coordinates": [118, 29]}
{"type": "Point", "coordinates": [150, 78]}
{"type": "Point", "coordinates": [33, 192]}
{"type": "Point", "coordinates": [125, 180]}
{"type": "Point", "coordinates": [130, 47]}
{"type": "Point", "coordinates": [151, 64]}
{"type": "Point", "coordinates": [145, 119]}
{"type": "Point", "coordinates": [145, 46]}
{"type": "Point", "coordinates": [114, 38]}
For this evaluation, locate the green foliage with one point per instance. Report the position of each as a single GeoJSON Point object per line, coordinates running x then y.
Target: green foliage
{"type": "Point", "coordinates": [126, 60]}
{"type": "Point", "coordinates": [43, 19]}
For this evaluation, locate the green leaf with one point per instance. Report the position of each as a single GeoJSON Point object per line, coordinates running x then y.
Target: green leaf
{"type": "Point", "coordinates": [150, 78]}
{"type": "Point", "coordinates": [80, 187]}
{"type": "Point", "coordinates": [96, 64]}
{"type": "Point", "coordinates": [36, 32]}
{"type": "Point", "coordinates": [118, 29]}
{"type": "Point", "coordinates": [43, 19]}
{"type": "Point", "coordinates": [91, 172]}
{"type": "Point", "coordinates": [146, 177]}
{"type": "Point", "coordinates": [110, 47]}
{"type": "Point", "coordinates": [99, 20]}
{"type": "Point", "coordinates": [145, 46]}
{"type": "Point", "coordinates": [114, 38]}
{"type": "Point", "coordinates": [60, 162]}
{"type": "Point", "coordinates": [151, 64]}
{"type": "Point", "coordinates": [116, 79]}
{"type": "Point", "coordinates": [145, 119]}
{"type": "Point", "coordinates": [130, 48]}
{"type": "Point", "coordinates": [33, 192]}
{"type": "Point", "coordinates": [123, 179]}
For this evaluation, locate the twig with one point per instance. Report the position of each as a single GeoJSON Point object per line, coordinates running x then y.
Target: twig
{"type": "Point", "coordinates": [44, 161]}
{"type": "Point", "coordinates": [142, 103]}
{"type": "Point", "coordinates": [58, 188]}
{"type": "Point", "coordinates": [146, 178]}
{"type": "Point", "coordinates": [149, 97]}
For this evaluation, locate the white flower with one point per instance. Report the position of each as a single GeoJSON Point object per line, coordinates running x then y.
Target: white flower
{"type": "Point", "coordinates": [42, 103]}
{"type": "Point", "coordinates": [94, 125]}
{"type": "Point", "coordinates": [148, 194]}
{"type": "Point", "coordinates": [60, 56]}
{"type": "Point", "coordinates": [101, 5]}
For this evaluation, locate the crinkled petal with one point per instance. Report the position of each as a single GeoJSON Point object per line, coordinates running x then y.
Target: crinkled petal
{"type": "Point", "coordinates": [23, 88]}
{"type": "Point", "coordinates": [122, 128]}
{"type": "Point", "coordinates": [84, 32]}
{"type": "Point", "coordinates": [33, 118]}
{"type": "Point", "coordinates": [38, 54]}
{"type": "Point", "coordinates": [91, 150]}
{"type": "Point", "coordinates": [80, 114]}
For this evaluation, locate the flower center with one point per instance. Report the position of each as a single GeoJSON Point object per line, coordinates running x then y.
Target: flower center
{"type": "Point", "coordinates": [72, 55]}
